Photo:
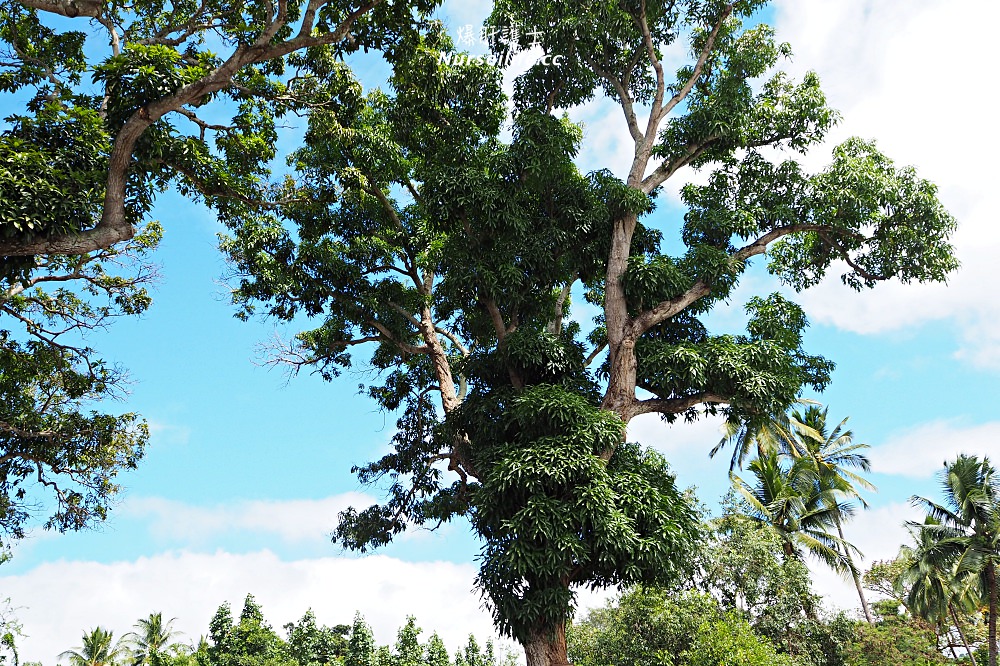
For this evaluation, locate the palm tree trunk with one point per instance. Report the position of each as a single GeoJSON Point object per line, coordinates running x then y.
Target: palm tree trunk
{"type": "Point", "coordinates": [991, 582]}
{"type": "Point", "coordinates": [965, 641]}
{"type": "Point", "coordinates": [854, 574]}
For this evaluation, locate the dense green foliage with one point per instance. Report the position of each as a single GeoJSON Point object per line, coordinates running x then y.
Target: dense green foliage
{"type": "Point", "coordinates": [749, 606]}
{"type": "Point", "coordinates": [159, 95]}
{"type": "Point", "coordinates": [107, 105]}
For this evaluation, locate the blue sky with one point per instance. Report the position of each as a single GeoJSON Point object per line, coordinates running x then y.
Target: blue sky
{"type": "Point", "coordinates": [246, 469]}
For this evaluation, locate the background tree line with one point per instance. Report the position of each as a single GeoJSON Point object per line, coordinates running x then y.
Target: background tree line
{"type": "Point", "coordinates": [248, 640]}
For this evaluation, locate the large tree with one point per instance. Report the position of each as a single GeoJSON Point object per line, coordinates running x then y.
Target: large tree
{"type": "Point", "coordinates": [412, 225]}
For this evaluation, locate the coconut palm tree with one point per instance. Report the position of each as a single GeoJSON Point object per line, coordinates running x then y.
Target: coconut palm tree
{"type": "Point", "coordinates": [99, 649]}
{"type": "Point", "coordinates": [835, 455]}
{"type": "Point", "coordinates": [790, 501]}
{"type": "Point", "coordinates": [936, 590]}
{"type": "Point", "coordinates": [966, 528]}
{"type": "Point", "coordinates": [761, 434]}
{"type": "Point", "coordinates": [152, 641]}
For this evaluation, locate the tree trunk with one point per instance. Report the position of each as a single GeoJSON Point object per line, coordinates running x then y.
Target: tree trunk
{"type": "Point", "coordinates": [547, 647]}
{"type": "Point", "coordinates": [965, 641]}
{"type": "Point", "coordinates": [854, 575]}
{"type": "Point", "coordinates": [991, 582]}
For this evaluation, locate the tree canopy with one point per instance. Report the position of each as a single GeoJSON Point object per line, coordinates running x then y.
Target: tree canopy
{"type": "Point", "coordinates": [414, 225]}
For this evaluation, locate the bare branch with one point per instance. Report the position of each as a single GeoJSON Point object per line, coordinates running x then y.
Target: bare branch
{"type": "Point", "coordinates": [594, 354]}
{"type": "Point", "coordinates": [202, 125]}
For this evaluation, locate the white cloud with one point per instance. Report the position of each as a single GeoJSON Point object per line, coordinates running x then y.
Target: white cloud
{"type": "Point", "coordinates": [191, 586]}
{"type": "Point", "coordinates": [168, 433]}
{"type": "Point", "coordinates": [921, 451]}
{"type": "Point", "coordinates": [297, 520]}
{"type": "Point", "coordinates": [878, 534]}
{"type": "Point", "coordinates": [891, 68]}
{"type": "Point", "coordinates": [696, 438]}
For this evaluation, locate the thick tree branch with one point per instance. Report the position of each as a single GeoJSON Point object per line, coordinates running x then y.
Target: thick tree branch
{"type": "Point", "coordinates": [67, 8]}
{"type": "Point", "coordinates": [676, 405]}
{"type": "Point", "coordinates": [667, 309]}
{"type": "Point", "coordinates": [659, 110]}
{"type": "Point", "coordinates": [666, 170]}
{"type": "Point", "coordinates": [498, 323]}
{"type": "Point", "coordinates": [114, 225]}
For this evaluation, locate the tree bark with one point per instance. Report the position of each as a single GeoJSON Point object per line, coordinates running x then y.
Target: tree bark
{"type": "Point", "coordinates": [547, 647]}
{"type": "Point", "coordinates": [621, 343]}
{"type": "Point", "coordinates": [854, 574]}
{"type": "Point", "coordinates": [991, 581]}
{"type": "Point", "coordinates": [965, 641]}
{"type": "Point", "coordinates": [67, 8]}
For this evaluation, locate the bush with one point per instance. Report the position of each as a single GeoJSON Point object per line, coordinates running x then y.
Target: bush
{"type": "Point", "coordinates": [732, 642]}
